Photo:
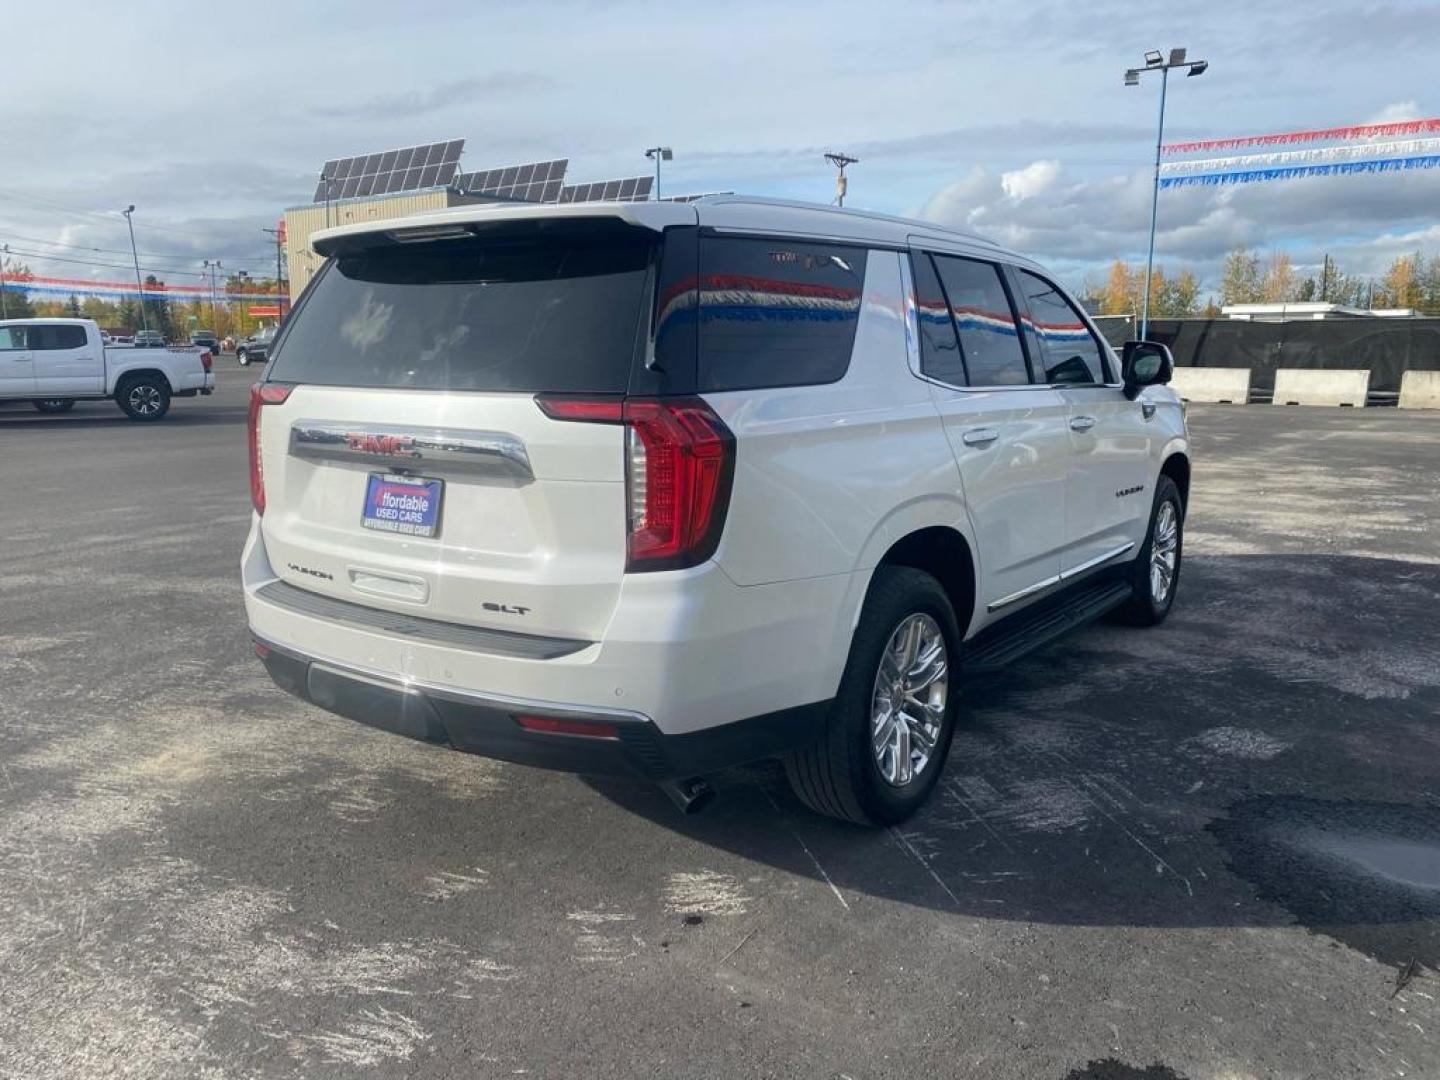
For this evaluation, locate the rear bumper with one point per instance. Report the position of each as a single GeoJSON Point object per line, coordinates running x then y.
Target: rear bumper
{"type": "Point", "coordinates": [489, 726]}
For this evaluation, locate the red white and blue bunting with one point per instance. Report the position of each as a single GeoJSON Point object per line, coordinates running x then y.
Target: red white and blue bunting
{"type": "Point", "coordinates": [1335, 134]}
{"type": "Point", "coordinates": [1358, 151]}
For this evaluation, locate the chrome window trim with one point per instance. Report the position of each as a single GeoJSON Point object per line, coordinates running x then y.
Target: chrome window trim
{"type": "Point", "coordinates": [427, 449]}
{"type": "Point", "coordinates": [1060, 578]}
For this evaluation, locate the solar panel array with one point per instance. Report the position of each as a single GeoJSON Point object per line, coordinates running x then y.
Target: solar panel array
{"type": "Point", "coordinates": [540, 181]}
{"type": "Point", "coordinates": [411, 169]}
{"type": "Point", "coordinates": [631, 189]}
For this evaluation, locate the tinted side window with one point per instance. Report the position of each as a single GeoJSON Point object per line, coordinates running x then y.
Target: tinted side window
{"type": "Point", "coordinates": [1071, 353]}
{"type": "Point", "coordinates": [776, 312]}
{"type": "Point", "coordinates": [50, 338]}
{"type": "Point", "coordinates": [989, 337]}
{"type": "Point", "coordinates": [939, 347]}
{"type": "Point", "coordinates": [13, 338]}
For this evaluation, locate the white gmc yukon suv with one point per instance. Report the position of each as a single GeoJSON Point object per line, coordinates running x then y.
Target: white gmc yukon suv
{"type": "Point", "coordinates": [54, 363]}
{"type": "Point", "coordinates": [661, 488]}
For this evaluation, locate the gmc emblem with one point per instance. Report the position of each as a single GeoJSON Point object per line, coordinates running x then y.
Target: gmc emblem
{"type": "Point", "coordinates": [389, 445]}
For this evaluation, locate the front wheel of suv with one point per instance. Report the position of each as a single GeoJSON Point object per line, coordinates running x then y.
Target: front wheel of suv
{"type": "Point", "coordinates": [889, 729]}
{"type": "Point", "coordinates": [1155, 573]}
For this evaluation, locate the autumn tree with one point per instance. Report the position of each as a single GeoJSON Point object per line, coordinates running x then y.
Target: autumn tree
{"type": "Point", "coordinates": [1240, 279]}
{"type": "Point", "coordinates": [1278, 286]}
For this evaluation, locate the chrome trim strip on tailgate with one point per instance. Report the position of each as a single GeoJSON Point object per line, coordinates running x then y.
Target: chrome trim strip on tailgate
{"type": "Point", "coordinates": [427, 449]}
{"type": "Point", "coordinates": [431, 631]}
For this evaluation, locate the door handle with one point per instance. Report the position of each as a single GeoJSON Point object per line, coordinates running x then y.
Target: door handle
{"type": "Point", "coordinates": [21, 359]}
{"type": "Point", "coordinates": [1081, 423]}
{"type": "Point", "coordinates": [980, 436]}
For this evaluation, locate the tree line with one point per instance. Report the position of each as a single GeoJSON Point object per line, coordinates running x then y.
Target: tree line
{"type": "Point", "coordinates": [1412, 281]}
{"type": "Point", "coordinates": [176, 319]}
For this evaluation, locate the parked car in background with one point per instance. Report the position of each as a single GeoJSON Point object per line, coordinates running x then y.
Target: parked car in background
{"type": "Point", "coordinates": [207, 339]}
{"type": "Point", "coordinates": [256, 347]}
{"type": "Point", "coordinates": [675, 487]}
{"type": "Point", "coordinates": [57, 362]}
{"type": "Point", "coordinates": [149, 339]}
{"type": "Point", "coordinates": [122, 341]}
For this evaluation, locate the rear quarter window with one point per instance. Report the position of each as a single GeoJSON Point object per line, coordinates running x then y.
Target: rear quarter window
{"type": "Point", "coordinates": [776, 312]}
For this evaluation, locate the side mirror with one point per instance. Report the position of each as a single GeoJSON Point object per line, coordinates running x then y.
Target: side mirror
{"type": "Point", "coordinates": [1145, 363]}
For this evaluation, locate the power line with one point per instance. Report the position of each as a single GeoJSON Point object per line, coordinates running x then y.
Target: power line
{"type": "Point", "coordinates": [124, 251]}
{"type": "Point", "coordinates": [158, 271]}
{"type": "Point", "coordinates": [109, 217]}
{"type": "Point", "coordinates": [151, 255]}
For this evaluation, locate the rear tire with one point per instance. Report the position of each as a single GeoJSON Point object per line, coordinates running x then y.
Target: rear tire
{"type": "Point", "coordinates": [1155, 573]}
{"type": "Point", "coordinates": [864, 768]}
{"type": "Point", "coordinates": [54, 405]}
{"type": "Point", "coordinates": [143, 398]}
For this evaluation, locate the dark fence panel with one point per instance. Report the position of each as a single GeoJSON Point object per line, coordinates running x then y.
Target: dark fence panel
{"type": "Point", "coordinates": [1386, 347]}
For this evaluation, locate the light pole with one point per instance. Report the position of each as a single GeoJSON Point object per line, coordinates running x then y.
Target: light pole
{"type": "Point", "coordinates": [659, 154]}
{"type": "Point", "coordinates": [4, 304]}
{"type": "Point", "coordinates": [1154, 61]}
{"type": "Point", "coordinates": [144, 320]}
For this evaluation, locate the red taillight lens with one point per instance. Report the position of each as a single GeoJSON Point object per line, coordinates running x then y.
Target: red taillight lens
{"type": "Point", "coordinates": [680, 460]}
{"type": "Point", "coordinates": [205, 360]}
{"type": "Point", "coordinates": [260, 394]}
{"type": "Point", "coordinates": [550, 725]}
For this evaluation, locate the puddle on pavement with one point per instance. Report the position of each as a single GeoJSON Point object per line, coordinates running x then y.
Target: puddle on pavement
{"type": "Point", "coordinates": [1364, 873]}
{"type": "Point", "coordinates": [1111, 1069]}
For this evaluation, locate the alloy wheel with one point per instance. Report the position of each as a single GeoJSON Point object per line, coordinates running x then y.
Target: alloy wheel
{"type": "Point", "coordinates": [908, 703]}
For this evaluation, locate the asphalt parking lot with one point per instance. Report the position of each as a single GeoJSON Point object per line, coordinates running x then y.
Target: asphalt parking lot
{"type": "Point", "coordinates": [1210, 850]}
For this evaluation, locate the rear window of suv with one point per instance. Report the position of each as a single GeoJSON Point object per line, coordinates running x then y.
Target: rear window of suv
{"type": "Point", "coordinates": [542, 314]}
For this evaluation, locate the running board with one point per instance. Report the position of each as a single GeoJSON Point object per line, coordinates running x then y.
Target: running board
{"type": "Point", "coordinates": [1026, 631]}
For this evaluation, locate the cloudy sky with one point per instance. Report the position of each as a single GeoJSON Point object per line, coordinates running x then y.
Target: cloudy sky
{"type": "Point", "coordinates": [1006, 118]}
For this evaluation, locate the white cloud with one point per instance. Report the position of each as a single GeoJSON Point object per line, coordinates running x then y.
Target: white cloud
{"type": "Point", "coordinates": [1397, 110]}
{"type": "Point", "coordinates": [1033, 179]}
{"type": "Point", "coordinates": [1078, 224]}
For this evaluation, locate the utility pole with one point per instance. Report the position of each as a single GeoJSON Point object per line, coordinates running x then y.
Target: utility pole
{"type": "Point", "coordinates": [139, 286]}
{"type": "Point", "coordinates": [243, 285]}
{"type": "Point", "coordinates": [212, 265]}
{"type": "Point", "coordinates": [4, 304]}
{"type": "Point", "coordinates": [841, 184]}
{"type": "Point", "coordinates": [279, 234]}
{"type": "Point", "coordinates": [1156, 62]}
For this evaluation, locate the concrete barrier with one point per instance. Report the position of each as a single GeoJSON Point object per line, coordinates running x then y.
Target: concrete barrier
{"type": "Point", "coordinates": [1420, 390]}
{"type": "Point", "coordinates": [1224, 384]}
{"type": "Point", "coordinates": [1314, 386]}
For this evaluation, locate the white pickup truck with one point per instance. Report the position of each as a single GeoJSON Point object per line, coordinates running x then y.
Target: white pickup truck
{"type": "Point", "coordinates": [54, 363]}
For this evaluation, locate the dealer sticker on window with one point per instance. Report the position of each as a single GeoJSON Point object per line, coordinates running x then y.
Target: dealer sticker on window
{"type": "Point", "coordinates": [403, 504]}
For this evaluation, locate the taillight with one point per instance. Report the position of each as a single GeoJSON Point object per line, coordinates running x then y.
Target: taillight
{"type": "Point", "coordinates": [680, 464]}
{"type": "Point", "coordinates": [205, 360]}
{"type": "Point", "coordinates": [260, 394]}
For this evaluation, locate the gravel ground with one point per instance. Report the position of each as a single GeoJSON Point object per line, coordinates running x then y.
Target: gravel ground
{"type": "Point", "coordinates": [1208, 850]}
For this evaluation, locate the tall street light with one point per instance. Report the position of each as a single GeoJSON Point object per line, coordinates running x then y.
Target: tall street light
{"type": "Point", "coordinates": [659, 154]}
{"type": "Point", "coordinates": [1154, 61]}
{"type": "Point", "coordinates": [144, 320]}
{"type": "Point", "coordinates": [4, 305]}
